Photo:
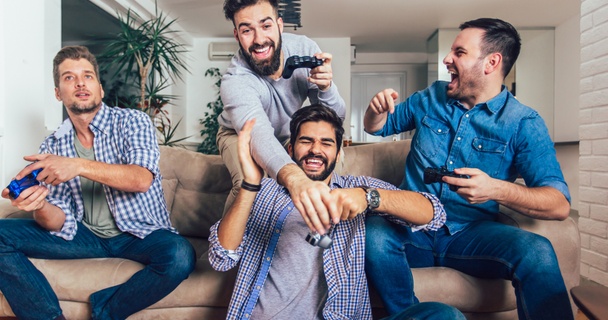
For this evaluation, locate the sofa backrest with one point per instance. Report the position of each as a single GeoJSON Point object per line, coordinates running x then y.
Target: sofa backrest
{"type": "Point", "coordinates": [196, 185]}
{"type": "Point", "coordinates": [383, 160]}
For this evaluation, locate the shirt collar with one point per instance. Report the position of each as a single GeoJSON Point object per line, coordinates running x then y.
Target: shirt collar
{"type": "Point", "coordinates": [494, 104]}
{"type": "Point", "coordinates": [99, 122]}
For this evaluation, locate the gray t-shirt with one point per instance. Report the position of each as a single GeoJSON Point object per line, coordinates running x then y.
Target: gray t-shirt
{"type": "Point", "coordinates": [97, 216]}
{"type": "Point", "coordinates": [296, 287]}
{"type": "Point", "coordinates": [246, 95]}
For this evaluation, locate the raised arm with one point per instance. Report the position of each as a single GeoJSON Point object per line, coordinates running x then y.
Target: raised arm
{"type": "Point", "coordinates": [376, 113]}
{"type": "Point", "coordinates": [232, 227]}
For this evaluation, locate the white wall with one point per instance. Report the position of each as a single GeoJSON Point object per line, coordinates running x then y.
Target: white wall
{"type": "Point", "coordinates": [593, 118]}
{"type": "Point", "coordinates": [201, 90]}
{"type": "Point", "coordinates": [30, 37]}
{"type": "Point", "coordinates": [567, 75]}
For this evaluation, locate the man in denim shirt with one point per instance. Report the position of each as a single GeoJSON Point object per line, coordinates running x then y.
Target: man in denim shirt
{"type": "Point", "coordinates": [473, 126]}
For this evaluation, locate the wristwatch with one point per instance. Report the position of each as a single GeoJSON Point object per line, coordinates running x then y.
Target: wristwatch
{"type": "Point", "coordinates": [372, 196]}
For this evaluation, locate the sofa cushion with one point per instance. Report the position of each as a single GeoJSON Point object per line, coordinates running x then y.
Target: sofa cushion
{"type": "Point", "coordinates": [203, 183]}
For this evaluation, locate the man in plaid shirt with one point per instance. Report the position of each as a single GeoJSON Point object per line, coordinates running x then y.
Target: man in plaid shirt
{"type": "Point", "coordinates": [282, 276]}
{"type": "Point", "coordinates": [101, 197]}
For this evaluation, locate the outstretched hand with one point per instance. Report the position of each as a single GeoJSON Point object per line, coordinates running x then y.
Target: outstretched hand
{"type": "Point", "coordinates": [384, 101]}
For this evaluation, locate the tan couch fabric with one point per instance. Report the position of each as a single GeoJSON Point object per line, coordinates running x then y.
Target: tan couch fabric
{"type": "Point", "coordinates": [196, 186]}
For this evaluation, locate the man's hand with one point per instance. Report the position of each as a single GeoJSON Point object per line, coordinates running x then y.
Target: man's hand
{"type": "Point", "coordinates": [381, 103]}
{"type": "Point", "coordinates": [322, 75]}
{"type": "Point", "coordinates": [479, 188]}
{"type": "Point", "coordinates": [252, 173]}
{"type": "Point", "coordinates": [384, 101]}
{"type": "Point", "coordinates": [30, 199]}
{"type": "Point", "coordinates": [538, 202]}
{"type": "Point", "coordinates": [56, 169]}
{"type": "Point", "coordinates": [312, 198]}
{"type": "Point", "coordinates": [351, 202]}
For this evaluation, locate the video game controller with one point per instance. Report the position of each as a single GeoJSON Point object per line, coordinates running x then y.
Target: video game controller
{"type": "Point", "coordinates": [16, 186]}
{"type": "Point", "coordinates": [295, 62]}
{"type": "Point", "coordinates": [432, 175]}
{"type": "Point", "coordinates": [323, 241]}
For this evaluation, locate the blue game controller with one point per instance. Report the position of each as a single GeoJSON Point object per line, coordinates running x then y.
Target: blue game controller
{"type": "Point", "coordinates": [16, 186]}
{"type": "Point", "coordinates": [295, 62]}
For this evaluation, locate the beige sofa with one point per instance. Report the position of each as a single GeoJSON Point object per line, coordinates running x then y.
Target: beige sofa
{"type": "Point", "coordinates": [196, 186]}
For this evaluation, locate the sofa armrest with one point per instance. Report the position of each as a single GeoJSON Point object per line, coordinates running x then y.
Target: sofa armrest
{"type": "Point", "coordinates": [8, 211]}
{"type": "Point", "coordinates": [564, 237]}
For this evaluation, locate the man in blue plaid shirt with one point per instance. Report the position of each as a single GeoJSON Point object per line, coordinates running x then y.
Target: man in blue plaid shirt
{"type": "Point", "coordinates": [281, 276]}
{"type": "Point", "coordinates": [101, 197]}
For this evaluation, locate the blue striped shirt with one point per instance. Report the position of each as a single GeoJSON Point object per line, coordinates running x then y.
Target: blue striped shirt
{"type": "Point", "coordinates": [343, 262]}
{"type": "Point", "coordinates": [122, 136]}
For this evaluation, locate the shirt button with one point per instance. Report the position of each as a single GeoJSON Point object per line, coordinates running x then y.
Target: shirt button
{"type": "Point", "coordinates": [268, 259]}
{"type": "Point", "coordinates": [438, 130]}
{"type": "Point", "coordinates": [451, 162]}
{"type": "Point", "coordinates": [459, 138]}
{"type": "Point", "coordinates": [466, 115]}
{"type": "Point", "coordinates": [479, 146]}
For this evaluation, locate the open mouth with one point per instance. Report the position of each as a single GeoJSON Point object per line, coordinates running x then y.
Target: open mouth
{"type": "Point", "coordinates": [82, 95]}
{"type": "Point", "coordinates": [261, 52]}
{"type": "Point", "coordinates": [314, 163]}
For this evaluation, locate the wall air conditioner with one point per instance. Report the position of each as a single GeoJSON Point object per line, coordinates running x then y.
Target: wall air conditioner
{"type": "Point", "coordinates": [222, 50]}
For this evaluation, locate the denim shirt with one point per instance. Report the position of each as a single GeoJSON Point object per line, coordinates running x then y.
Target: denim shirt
{"type": "Point", "coordinates": [501, 137]}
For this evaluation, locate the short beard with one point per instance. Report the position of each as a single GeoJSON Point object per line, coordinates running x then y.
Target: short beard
{"type": "Point", "coordinates": [321, 176]}
{"type": "Point", "coordinates": [267, 67]}
{"type": "Point", "coordinates": [78, 110]}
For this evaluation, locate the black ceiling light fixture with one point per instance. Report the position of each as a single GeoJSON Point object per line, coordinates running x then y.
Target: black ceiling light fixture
{"type": "Point", "coordinates": [289, 10]}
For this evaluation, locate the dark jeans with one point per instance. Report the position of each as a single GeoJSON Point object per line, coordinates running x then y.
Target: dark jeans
{"type": "Point", "coordinates": [168, 259]}
{"type": "Point", "coordinates": [428, 311]}
{"type": "Point", "coordinates": [484, 249]}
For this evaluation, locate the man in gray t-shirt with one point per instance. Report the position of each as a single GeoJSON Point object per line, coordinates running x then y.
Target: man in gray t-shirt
{"type": "Point", "coordinates": [253, 88]}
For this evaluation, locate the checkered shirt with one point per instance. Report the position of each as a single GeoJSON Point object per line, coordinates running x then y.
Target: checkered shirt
{"type": "Point", "coordinates": [122, 136]}
{"type": "Point", "coordinates": [343, 262]}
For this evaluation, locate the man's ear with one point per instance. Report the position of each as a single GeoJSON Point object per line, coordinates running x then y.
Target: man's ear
{"type": "Point", "coordinates": [493, 63]}
{"type": "Point", "coordinates": [236, 35]}
{"type": "Point", "coordinates": [290, 150]}
{"type": "Point", "coordinates": [280, 24]}
{"type": "Point", "coordinates": [57, 96]}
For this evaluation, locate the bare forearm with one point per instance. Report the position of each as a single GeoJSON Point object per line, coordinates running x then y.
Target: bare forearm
{"type": "Point", "coordinates": [50, 217]}
{"type": "Point", "coordinates": [406, 205]}
{"type": "Point", "coordinates": [232, 227]}
{"type": "Point", "coordinates": [124, 177]}
{"type": "Point", "coordinates": [545, 203]}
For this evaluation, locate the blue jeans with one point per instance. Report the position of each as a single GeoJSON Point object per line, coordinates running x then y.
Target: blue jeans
{"type": "Point", "coordinates": [428, 311]}
{"type": "Point", "coordinates": [168, 259]}
{"type": "Point", "coordinates": [485, 249]}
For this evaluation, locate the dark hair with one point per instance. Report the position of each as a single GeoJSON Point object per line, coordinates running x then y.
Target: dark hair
{"type": "Point", "coordinates": [315, 113]}
{"type": "Point", "coordinates": [231, 7]}
{"type": "Point", "coordinates": [500, 36]}
{"type": "Point", "coordinates": [73, 53]}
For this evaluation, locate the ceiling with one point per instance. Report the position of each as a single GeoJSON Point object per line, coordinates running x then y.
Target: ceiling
{"type": "Point", "coordinates": [373, 26]}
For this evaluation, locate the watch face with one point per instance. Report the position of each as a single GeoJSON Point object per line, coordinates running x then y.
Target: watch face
{"type": "Point", "coordinates": [373, 198]}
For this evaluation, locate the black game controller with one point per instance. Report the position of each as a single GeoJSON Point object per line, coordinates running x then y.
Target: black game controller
{"type": "Point", "coordinates": [16, 186]}
{"type": "Point", "coordinates": [432, 175]}
{"type": "Point", "coordinates": [295, 62]}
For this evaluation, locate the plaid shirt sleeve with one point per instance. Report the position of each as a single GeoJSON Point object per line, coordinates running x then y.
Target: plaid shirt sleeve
{"type": "Point", "coordinates": [439, 215]}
